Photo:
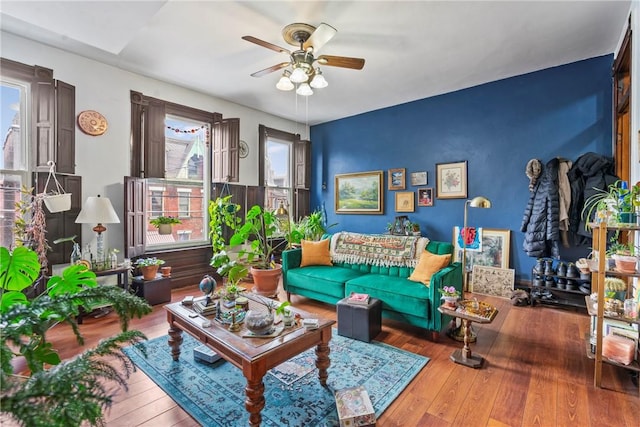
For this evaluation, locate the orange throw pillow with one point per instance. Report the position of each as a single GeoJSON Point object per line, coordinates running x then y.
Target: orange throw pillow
{"type": "Point", "coordinates": [315, 253]}
{"type": "Point", "coordinates": [428, 265]}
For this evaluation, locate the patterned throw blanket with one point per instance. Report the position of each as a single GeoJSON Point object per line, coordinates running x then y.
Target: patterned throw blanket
{"type": "Point", "coordinates": [377, 249]}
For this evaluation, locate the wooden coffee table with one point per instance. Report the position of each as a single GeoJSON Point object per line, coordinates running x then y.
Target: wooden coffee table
{"type": "Point", "coordinates": [254, 360]}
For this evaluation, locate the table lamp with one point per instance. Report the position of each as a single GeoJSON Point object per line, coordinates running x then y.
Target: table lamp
{"type": "Point", "coordinates": [98, 210]}
{"type": "Point", "coordinates": [476, 202]}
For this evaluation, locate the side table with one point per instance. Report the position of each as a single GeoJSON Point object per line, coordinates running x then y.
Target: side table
{"type": "Point", "coordinates": [155, 291]}
{"type": "Point", "coordinates": [360, 321]}
{"type": "Point", "coordinates": [463, 356]}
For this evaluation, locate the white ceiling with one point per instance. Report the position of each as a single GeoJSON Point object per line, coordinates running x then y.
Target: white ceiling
{"type": "Point", "coordinates": [413, 50]}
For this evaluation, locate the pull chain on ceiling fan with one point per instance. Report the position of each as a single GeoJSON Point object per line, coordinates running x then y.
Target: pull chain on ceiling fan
{"type": "Point", "coordinates": [302, 68]}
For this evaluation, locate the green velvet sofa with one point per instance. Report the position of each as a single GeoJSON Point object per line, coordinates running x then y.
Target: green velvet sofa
{"type": "Point", "coordinates": [402, 299]}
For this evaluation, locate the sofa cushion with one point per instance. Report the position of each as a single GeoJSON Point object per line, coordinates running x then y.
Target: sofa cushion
{"type": "Point", "coordinates": [315, 253]}
{"type": "Point", "coordinates": [397, 293]}
{"type": "Point", "coordinates": [429, 265]}
{"type": "Point", "coordinates": [326, 279]}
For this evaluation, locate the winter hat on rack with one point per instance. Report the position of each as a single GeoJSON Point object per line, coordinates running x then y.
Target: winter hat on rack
{"type": "Point", "coordinates": [533, 171]}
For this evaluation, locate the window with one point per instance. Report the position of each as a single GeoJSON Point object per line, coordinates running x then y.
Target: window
{"type": "Point", "coordinates": [14, 161]}
{"type": "Point", "coordinates": [182, 193]}
{"type": "Point", "coordinates": [277, 171]}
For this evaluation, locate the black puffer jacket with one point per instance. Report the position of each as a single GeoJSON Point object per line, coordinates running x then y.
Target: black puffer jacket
{"type": "Point", "coordinates": [541, 217]}
{"type": "Point", "coordinates": [589, 172]}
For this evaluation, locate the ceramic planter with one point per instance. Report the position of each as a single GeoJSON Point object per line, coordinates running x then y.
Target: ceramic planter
{"type": "Point", "coordinates": [149, 271]}
{"type": "Point", "coordinates": [266, 281]}
{"type": "Point", "coordinates": [164, 229]}
{"type": "Point", "coordinates": [625, 263]}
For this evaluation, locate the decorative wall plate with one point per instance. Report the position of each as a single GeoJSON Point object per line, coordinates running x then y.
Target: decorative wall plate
{"type": "Point", "coordinates": [92, 123]}
{"type": "Point", "coordinates": [243, 150]}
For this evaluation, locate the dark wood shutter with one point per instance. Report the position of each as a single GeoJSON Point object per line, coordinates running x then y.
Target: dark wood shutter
{"type": "Point", "coordinates": [135, 190]}
{"type": "Point", "coordinates": [43, 97]}
{"type": "Point", "coordinates": [154, 146]}
{"type": "Point", "coordinates": [225, 156]}
{"type": "Point", "coordinates": [138, 105]}
{"type": "Point", "coordinates": [302, 153]}
{"type": "Point", "coordinates": [303, 203]}
{"type": "Point", "coordinates": [65, 127]}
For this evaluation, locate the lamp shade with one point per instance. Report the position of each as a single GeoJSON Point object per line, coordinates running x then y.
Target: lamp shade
{"type": "Point", "coordinates": [318, 81]}
{"type": "Point", "coordinates": [304, 89]}
{"type": "Point", "coordinates": [480, 202]}
{"type": "Point", "coordinates": [98, 210]}
{"type": "Point", "coordinates": [285, 83]}
{"type": "Point", "coordinates": [299, 75]}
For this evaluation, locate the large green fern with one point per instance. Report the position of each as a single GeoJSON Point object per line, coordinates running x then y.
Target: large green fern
{"type": "Point", "coordinates": [57, 393]}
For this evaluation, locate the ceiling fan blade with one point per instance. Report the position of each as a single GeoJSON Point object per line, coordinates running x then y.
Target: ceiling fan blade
{"type": "Point", "coordinates": [266, 44]}
{"type": "Point", "coordinates": [341, 61]}
{"type": "Point", "coordinates": [270, 69]}
{"type": "Point", "coordinates": [317, 39]}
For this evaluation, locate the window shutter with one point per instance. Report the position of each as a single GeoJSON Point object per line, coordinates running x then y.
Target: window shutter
{"type": "Point", "coordinates": [154, 128]}
{"type": "Point", "coordinates": [225, 159]}
{"type": "Point", "coordinates": [65, 127]}
{"type": "Point", "coordinates": [135, 231]}
{"type": "Point", "coordinates": [138, 105]}
{"type": "Point", "coordinates": [302, 153]}
{"type": "Point", "coordinates": [43, 123]}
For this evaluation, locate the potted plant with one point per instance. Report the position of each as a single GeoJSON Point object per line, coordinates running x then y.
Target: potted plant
{"type": "Point", "coordinates": [287, 314]}
{"type": "Point", "coordinates": [310, 227]}
{"type": "Point", "coordinates": [164, 223]}
{"type": "Point", "coordinates": [257, 231]}
{"type": "Point", "coordinates": [149, 267]}
{"type": "Point", "coordinates": [616, 204]}
{"type": "Point", "coordinates": [449, 295]}
{"type": "Point", "coordinates": [37, 388]}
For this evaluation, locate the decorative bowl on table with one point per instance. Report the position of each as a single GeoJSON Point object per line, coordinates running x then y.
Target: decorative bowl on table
{"type": "Point", "coordinates": [259, 322]}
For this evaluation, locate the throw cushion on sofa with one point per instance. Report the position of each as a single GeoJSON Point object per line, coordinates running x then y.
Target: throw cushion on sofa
{"type": "Point", "coordinates": [315, 253]}
{"type": "Point", "coordinates": [428, 265]}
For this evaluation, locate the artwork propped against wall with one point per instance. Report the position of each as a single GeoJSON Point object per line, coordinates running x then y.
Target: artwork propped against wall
{"type": "Point", "coordinates": [492, 281]}
{"type": "Point", "coordinates": [495, 244]}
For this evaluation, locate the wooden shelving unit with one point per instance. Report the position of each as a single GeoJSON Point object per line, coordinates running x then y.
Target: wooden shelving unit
{"type": "Point", "coordinates": [597, 286]}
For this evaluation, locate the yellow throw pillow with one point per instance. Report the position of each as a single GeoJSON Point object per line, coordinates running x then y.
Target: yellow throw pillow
{"type": "Point", "coordinates": [428, 265]}
{"type": "Point", "coordinates": [315, 253]}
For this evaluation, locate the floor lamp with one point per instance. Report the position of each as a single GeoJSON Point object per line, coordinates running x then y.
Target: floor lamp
{"type": "Point", "coordinates": [477, 202]}
{"type": "Point", "coordinates": [98, 210]}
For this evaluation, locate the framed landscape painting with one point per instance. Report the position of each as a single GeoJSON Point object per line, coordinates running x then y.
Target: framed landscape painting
{"type": "Point", "coordinates": [359, 193]}
{"type": "Point", "coordinates": [451, 180]}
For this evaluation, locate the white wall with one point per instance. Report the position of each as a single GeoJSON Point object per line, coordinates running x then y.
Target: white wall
{"type": "Point", "coordinates": [103, 161]}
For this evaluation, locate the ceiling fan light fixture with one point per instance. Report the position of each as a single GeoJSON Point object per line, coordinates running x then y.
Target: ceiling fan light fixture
{"type": "Point", "coordinates": [304, 89]}
{"type": "Point", "coordinates": [285, 83]}
{"type": "Point", "coordinates": [299, 75]}
{"type": "Point", "coordinates": [318, 81]}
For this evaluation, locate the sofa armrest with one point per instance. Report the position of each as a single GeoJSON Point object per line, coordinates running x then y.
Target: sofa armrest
{"type": "Point", "coordinates": [291, 258]}
{"type": "Point", "coordinates": [448, 276]}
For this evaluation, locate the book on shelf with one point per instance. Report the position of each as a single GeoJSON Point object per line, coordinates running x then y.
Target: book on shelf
{"type": "Point", "coordinates": [357, 298]}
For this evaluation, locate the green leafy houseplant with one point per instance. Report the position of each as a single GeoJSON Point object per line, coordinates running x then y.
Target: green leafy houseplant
{"type": "Point", "coordinates": [157, 222]}
{"type": "Point", "coordinates": [149, 261]}
{"type": "Point", "coordinates": [55, 392]}
{"type": "Point", "coordinates": [310, 227]}
{"type": "Point", "coordinates": [223, 213]}
{"type": "Point", "coordinates": [607, 205]}
{"type": "Point", "coordinates": [259, 227]}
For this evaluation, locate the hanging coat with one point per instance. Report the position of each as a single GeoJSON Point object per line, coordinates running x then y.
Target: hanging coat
{"type": "Point", "coordinates": [541, 216]}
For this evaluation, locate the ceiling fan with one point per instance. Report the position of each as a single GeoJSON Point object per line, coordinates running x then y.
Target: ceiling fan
{"type": "Point", "coordinates": [304, 69]}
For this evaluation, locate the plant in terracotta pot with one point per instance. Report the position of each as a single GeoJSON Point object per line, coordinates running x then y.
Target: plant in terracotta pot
{"type": "Point", "coordinates": [149, 267]}
{"type": "Point", "coordinates": [164, 223]}
{"type": "Point", "coordinates": [257, 232]}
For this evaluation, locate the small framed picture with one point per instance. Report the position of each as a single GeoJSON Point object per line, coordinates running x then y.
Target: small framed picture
{"type": "Point", "coordinates": [425, 196]}
{"type": "Point", "coordinates": [405, 201]}
{"type": "Point", "coordinates": [451, 180]}
{"type": "Point", "coordinates": [397, 179]}
{"type": "Point", "coordinates": [418, 178]}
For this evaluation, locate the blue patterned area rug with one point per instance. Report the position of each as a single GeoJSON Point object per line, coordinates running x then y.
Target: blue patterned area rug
{"type": "Point", "coordinates": [214, 395]}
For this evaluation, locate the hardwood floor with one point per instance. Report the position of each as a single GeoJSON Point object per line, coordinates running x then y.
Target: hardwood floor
{"type": "Point", "coordinates": [536, 373]}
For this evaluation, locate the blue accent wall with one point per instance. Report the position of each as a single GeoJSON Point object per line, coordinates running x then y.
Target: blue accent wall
{"type": "Point", "coordinates": [497, 127]}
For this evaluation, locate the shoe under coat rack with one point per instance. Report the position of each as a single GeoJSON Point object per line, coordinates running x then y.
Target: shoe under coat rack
{"type": "Point", "coordinates": [561, 283]}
